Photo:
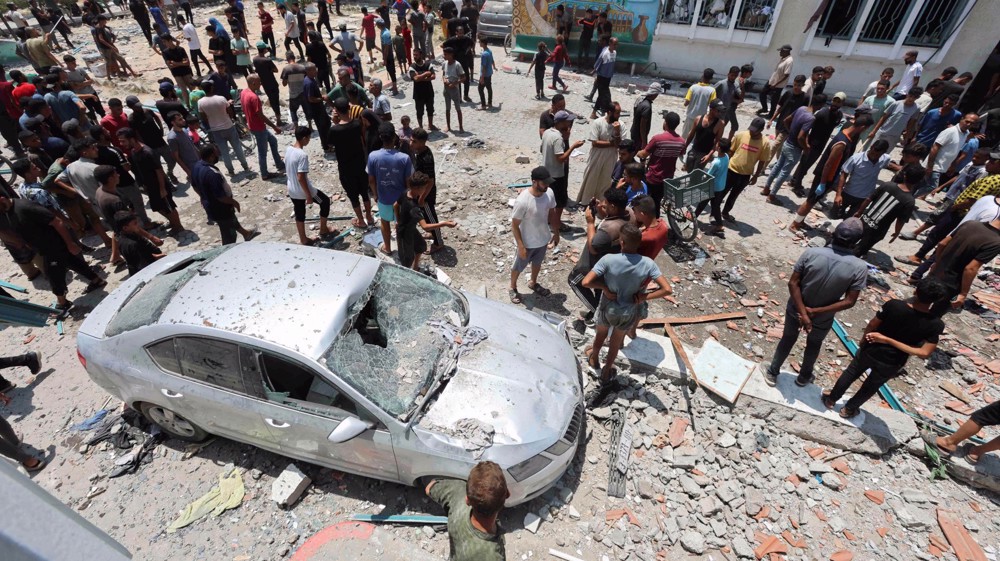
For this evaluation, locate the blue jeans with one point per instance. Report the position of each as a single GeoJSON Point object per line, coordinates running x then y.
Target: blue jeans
{"type": "Point", "coordinates": [928, 185]}
{"type": "Point", "coordinates": [555, 75]}
{"type": "Point", "coordinates": [790, 154]}
{"type": "Point", "coordinates": [226, 139]}
{"type": "Point", "coordinates": [264, 138]}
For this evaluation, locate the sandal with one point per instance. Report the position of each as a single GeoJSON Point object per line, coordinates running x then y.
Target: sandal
{"type": "Point", "coordinates": [39, 465]}
{"type": "Point", "coordinates": [930, 439]}
{"type": "Point", "coordinates": [971, 458]}
{"type": "Point", "coordinates": [846, 413]}
{"type": "Point", "coordinates": [358, 224]}
{"type": "Point", "coordinates": [827, 402]}
{"type": "Point", "coordinates": [906, 260]}
{"type": "Point", "coordinates": [540, 290]}
{"type": "Point", "coordinates": [515, 298]}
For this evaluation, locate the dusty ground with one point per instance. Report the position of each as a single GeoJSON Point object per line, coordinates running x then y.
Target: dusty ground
{"type": "Point", "coordinates": [726, 471]}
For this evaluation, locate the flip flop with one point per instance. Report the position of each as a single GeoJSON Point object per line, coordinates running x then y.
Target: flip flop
{"type": "Point", "coordinates": [36, 468]}
{"type": "Point", "coordinates": [515, 298]}
{"type": "Point", "coordinates": [357, 223]}
{"type": "Point", "coordinates": [540, 290]}
{"type": "Point", "coordinates": [971, 458]}
{"type": "Point", "coordinates": [930, 439]}
{"type": "Point", "coordinates": [847, 414]}
{"type": "Point", "coordinates": [825, 398]}
{"type": "Point", "coordinates": [96, 285]}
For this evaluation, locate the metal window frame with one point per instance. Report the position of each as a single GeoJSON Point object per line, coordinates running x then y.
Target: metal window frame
{"type": "Point", "coordinates": [854, 24]}
{"type": "Point", "coordinates": [957, 17]}
{"type": "Point", "coordinates": [690, 31]}
{"type": "Point", "coordinates": [899, 29]}
{"type": "Point", "coordinates": [775, 6]}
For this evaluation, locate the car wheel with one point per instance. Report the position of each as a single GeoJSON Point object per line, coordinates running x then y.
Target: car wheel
{"type": "Point", "coordinates": [173, 424]}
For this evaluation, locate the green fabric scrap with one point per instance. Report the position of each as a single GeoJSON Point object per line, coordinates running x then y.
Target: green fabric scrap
{"type": "Point", "coordinates": [224, 496]}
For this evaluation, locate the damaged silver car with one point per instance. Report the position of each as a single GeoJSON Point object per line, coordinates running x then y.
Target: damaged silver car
{"type": "Point", "coordinates": [340, 360]}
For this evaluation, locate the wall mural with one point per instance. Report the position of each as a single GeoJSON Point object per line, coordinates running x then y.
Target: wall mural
{"type": "Point", "coordinates": [633, 23]}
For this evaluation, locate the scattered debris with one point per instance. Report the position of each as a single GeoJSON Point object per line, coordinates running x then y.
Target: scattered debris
{"type": "Point", "coordinates": [289, 486]}
{"type": "Point", "coordinates": [228, 494]}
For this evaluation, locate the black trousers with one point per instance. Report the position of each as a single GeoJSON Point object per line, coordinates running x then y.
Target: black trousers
{"type": "Point", "coordinates": [880, 374]}
{"type": "Point", "coordinates": [589, 297]}
{"type": "Point", "coordinates": [186, 6]}
{"type": "Point", "coordinates": [9, 129]}
{"type": "Point", "coordinates": [466, 62]}
{"type": "Point", "coordinates": [485, 85]}
{"type": "Point", "coordinates": [772, 93]}
{"type": "Point", "coordinates": [142, 18]}
{"type": "Point", "coordinates": [273, 100]}
{"type": "Point", "coordinates": [56, 265]}
{"type": "Point", "coordinates": [228, 228]}
{"type": "Point", "coordinates": [716, 202]}
{"type": "Point", "coordinates": [805, 162]}
{"type": "Point", "coordinates": [735, 184]}
{"type": "Point", "coordinates": [603, 102]}
{"type": "Point", "coordinates": [195, 55]}
{"type": "Point", "coordinates": [298, 45]}
{"type": "Point", "coordinates": [790, 334]}
{"type": "Point", "coordinates": [294, 103]}
{"type": "Point", "coordinates": [944, 225]}
{"type": "Point", "coordinates": [850, 205]}
{"type": "Point", "coordinates": [94, 108]}
{"type": "Point", "coordinates": [869, 238]}
{"type": "Point", "coordinates": [268, 37]}
{"type": "Point", "coordinates": [317, 112]}
{"type": "Point", "coordinates": [11, 362]}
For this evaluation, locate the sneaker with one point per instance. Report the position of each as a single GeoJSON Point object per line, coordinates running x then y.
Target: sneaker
{"type": "Point", "coordinates": [769, 379]}
{"type": "Point", "coordinates": [802, 382]}
{"type": "Point", "coordinates": [908, 236]}
{"type": "Point", "coordinates": [588, 98]}
{"type": "Point", "coordinates": [33, 361]}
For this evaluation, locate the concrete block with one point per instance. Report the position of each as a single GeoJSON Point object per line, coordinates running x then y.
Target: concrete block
{"type": "Point", "coordinates": [289, 486]}
{"type": "Point", "coordinates": [985, 474]}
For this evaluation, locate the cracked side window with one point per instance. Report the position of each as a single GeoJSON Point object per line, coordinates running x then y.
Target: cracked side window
{"type": "Point", "coordinates": [210, 361]}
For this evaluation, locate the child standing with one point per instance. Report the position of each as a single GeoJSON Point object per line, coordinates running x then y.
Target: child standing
{"type": "Point", "coordinates": [408, 215]}
{"type": "Point", "coordinates": [405, 131]}
{"type": "Point", "coordinates": [634, 184]}
{"type": "Point", "coordinates": [899, 330]}
{"type": "Point", "coordinates": [486, 68]}
{"type": "Point", "coordinates": [538, 63]}
{"type": "Point", "coordinates": [559, 58]}
{"type": "Point", "coordinates": [408, 43]}
{"type": "Point", "coordinates": [133, 244]}
{"type": "Point", "coordinates": [719, 170]}
{"type": "Point", "coordinates": [399, 48]}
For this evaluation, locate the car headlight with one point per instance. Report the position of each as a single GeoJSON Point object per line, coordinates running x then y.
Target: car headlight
{"type": "Point", "coordinates": [559, 448]}
{"type": "Point", "coordinates": [528, 467]}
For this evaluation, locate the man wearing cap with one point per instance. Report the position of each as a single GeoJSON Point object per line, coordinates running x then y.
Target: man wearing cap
{"type": "Point", "coordinates": [825, 121]}
{"type": "Point", "coordinates": [697, 99]}
{"type": "Point", "coordinates": [777, 80]}
{"type": "Point", "coordinates": [704, 136]}
{"type": "Point", "coordinates": [169, 103]}
{"type": "Point", "coordinates": [662, 152]}
{"type": "Point", "coordinates": [605, 135]}
{"type": "Point", "coordinates": [555, 153]}
{"type": "Point", "coordinates": [642, 114]}
{"type": "Point", "coordinates": [265, 69]}
{"type": "Point", "coordinates": [796, 142]}
{"type": "Point", "coordinates": [825, 280]}
{"type": "Point", "coordinates": [535, 228]}
{"type": "Point", "coordinates": [388, 173]}
{"type": "Point", "coordinates": [829, 166]}
{"type": "Point", "coordinates": [750, 153]}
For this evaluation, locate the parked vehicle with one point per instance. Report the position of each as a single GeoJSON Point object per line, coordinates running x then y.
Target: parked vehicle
{"type": "Point", "coordinates": [340, 360]}
{"type": "Point", "coordinates": [495, 18]}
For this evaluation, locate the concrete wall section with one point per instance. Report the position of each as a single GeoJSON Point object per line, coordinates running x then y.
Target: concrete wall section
{"type": "Point", "coordinates": [683, 51]}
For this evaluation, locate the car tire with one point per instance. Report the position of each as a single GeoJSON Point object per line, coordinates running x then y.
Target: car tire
{"type": "Point", "coordinates": [172, 423]}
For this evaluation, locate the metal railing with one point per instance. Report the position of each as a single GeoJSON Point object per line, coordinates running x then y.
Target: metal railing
{"type": "Point", "coordinates": [935, 23]}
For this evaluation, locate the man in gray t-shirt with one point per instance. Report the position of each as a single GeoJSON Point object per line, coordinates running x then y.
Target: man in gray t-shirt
{"type": "Point", "coordinates": [825, 281]}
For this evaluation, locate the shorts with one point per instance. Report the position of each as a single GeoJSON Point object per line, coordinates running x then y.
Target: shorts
{"type": "Point", "coordinates": [987, 416]}
{"type": "Point", "coordinates": [163, 205]}
{"type": "Point", "coordinates": [424, 104]}
{"type": "Point", "coordinates": [619, 316]}
{"type": "Point", "coordinates": [560, 188]}
{"type": "Point", "coordinates": [535, 256]}
{"type": "Point", "coordinates": [453, 94]}
{"type": "Point", "coordinates": [409, 246]}
{"type": "Point", "coordinates": [386, 212]}
{"type": "Point", "coordinates": [369, 43]}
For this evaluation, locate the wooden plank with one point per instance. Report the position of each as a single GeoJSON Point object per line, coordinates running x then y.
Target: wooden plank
{"type": "Point", "coordinates": [966, 548]}
{"type": "Point", "coordinates": [954, 390]}
{"type": "Point", "coordinates": [695, 319]}
{"type": "Point", "coordinates": [679, 347]}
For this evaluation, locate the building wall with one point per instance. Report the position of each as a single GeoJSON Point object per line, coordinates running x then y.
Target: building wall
{"type": "Point", "coordinates": [683, 51]}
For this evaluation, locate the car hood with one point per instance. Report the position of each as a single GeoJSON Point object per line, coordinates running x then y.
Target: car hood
{"type": "Point", "coordinates": [523, 381]}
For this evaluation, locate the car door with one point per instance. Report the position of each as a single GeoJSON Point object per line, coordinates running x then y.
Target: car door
{"type": "Point", "coordinates": [303, 408]}
{"type": "Point", "coordinates": [204, 381]}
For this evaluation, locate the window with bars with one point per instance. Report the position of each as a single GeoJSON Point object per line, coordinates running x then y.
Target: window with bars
{"type": "Point", "coordinates": [885, 21]}
{"type": "Point", "coordinates": [678, 11]}
{"type": "Point", "coordinates": [716, 13]}
{"type": "Point", "coordinates": [756, 15]}
{"type": "Point", "coordinates": [838, 21]}
{"type": "Point", "coordinates": [935, 23]}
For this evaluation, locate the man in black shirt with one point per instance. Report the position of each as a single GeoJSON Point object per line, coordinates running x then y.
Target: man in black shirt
{"type": "Point", "coordinates": [964, 252]}
{"type": "Point", "coordinates": [789, 101]}
{"type": "Point", "coordinates": [826, 120]}
{"type": "Point", "coordinates": [888, 203]}
{"type": "Point", "coordinates": [347, 140]}
{"type": "Point", "coordinates": [447, 10]}
{"type": "Point", "coordinates": [149, 174]}
{"type": "Point", "coordinates": [146, 124]}
{"type": "Point", "coordinates": [587, 25]}
{"type": "Point", "coordinates": [899, 330]}
{"type": "Point", "coordinates": [169, 103]}
{"type": "Point", "coordinates": [51, 238]}
{"type": "Point", "coordinates": [642, 115]}
{"type": "Point", "coordinates": [602, 239]}
{"type": "Point", "coordinates": [462, 46]}
{"type": "Point", "coordinates": [548, 118]}
{"type": "Point", "coordinates": [423, 161]}
{"type": "Point", "coordinates": [180, 66]}
{"type": "Point", "coordinates": [141, 15]}
{"type": "Point", "coordinates": [138, 251]}
{"type": "Point", "coordinates": [264, 67]}
{"type": "Point", "coordinates": [217, 196]}
{"type": "Point", "coordinates": [423, 75]}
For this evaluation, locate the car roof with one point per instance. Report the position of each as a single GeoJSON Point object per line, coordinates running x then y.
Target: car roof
{"type": "Point", "coordinates": [289, 295]}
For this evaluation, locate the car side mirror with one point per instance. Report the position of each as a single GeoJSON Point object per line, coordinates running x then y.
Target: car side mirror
{"type": "Point", "coordinates": [349, 428]}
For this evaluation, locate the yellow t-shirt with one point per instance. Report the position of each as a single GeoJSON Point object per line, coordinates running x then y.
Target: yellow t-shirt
{"type": "Point", "coordinates": [747, 152]}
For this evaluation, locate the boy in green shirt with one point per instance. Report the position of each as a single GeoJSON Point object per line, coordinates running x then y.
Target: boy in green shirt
{"type": "Point", "coordinates": [473, 508]}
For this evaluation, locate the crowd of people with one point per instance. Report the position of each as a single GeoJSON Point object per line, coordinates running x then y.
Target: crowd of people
{"type": "Point", "coordinates": [92, 166]}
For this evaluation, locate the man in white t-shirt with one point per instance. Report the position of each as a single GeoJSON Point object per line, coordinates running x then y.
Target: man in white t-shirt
{"type": "Point", "coordinates": [911, 76]}
{"type": "Point", "coordinates": [986, 209]}
{"type": "Point", "coordinates": [535, 229]}
{"type": "Point", "coordinates": [946, 147]}
{"type": "Point", "coordinates": [194, 45]}
{"type": "Point", "coordinates": [15, 16]}
{"type": "Point", "coordinates": [214, 110]}
{"type": "Point", "coordinates": [301, 190]}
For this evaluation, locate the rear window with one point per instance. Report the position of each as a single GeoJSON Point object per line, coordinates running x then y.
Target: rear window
{"type": "Point", "coordinates": [148, 300]}
{"type": "Point", "coordinates": [503, 8]}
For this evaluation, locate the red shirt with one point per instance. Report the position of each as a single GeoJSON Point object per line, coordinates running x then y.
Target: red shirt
{"type": "Point", "coordinates": [112, 124]}
{"type": "Point", "coordinates": [252, 110]}
{"type": "Point", "coordinates": [663, 150]}
{"type": "Point", "coordinates": [266, 21]}
{"type": "Point", "coordinates": [368, 26]}
{"type": "Point", "coordinates": [653, 239]}
{"type": "Point", "coordinates": [9, 103]}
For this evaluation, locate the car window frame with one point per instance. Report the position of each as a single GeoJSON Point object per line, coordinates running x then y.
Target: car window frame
{"type": "Point", "coordinates": [244, 379]}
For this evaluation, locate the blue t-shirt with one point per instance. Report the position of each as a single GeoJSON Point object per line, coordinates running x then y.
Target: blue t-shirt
{"type": "Point", "coordinates": [64, 105]}
{"type": "Point", "coordinates": [933, 123]}
{"type": "Point", "coordinates": [487, 60]}
{"type": "Point", "coordinates": [633, 193]}
{"type": "Point", "coordinates": [718, 170]}
{"type": "Point", "coordinates": [310, 87]}
{"type": "Point", "coordinates": [965, 155]}
{"type": "Point", "coordinates": [390, 168]}
{"type": "Point", "coordinates": [386, 38]}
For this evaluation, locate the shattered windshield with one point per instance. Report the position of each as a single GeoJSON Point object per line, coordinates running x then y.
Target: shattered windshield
{"type": "Point", "coordinates": [386, 351]}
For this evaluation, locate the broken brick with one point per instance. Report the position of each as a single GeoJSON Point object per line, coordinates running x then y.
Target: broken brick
{"type": "Point", "coordinates": [732, 325]}
{"type": "Point", "coordinates": [676, 432]}
{"type": "Point", "coordinates": [815, 452]}
{"type": "Point", "coordinates": [966, 548]}
{"type": "Point", "coordinates": [612, 516]}
{"type": "Point", "coordinates": [842, 555]}
{"type": "Point", "coordinates": [799, 543]}
{"type": "Point", "coordinates": [770, 545]}
{"type": "Point", "coordinates": [820, 514]}
{"type": "Point", "coordinates": [959, 407]}
{"type": "Point", "coordinates": [877, 497]}
{"type": "Point", "coordinates": [935, 551]}
{"type": "Point", "coordinates": [975, 506]}
{"type": "Point", "coordinates": [840, 465]}
{"type": "Point", "coordinates": [850, 535]}
{"type": "Point", "coordinates": [882, 531]}
{"type": "Point", "coordinates": [938, 542]}
{"type": "Point", "coordinates": [764, 513]}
